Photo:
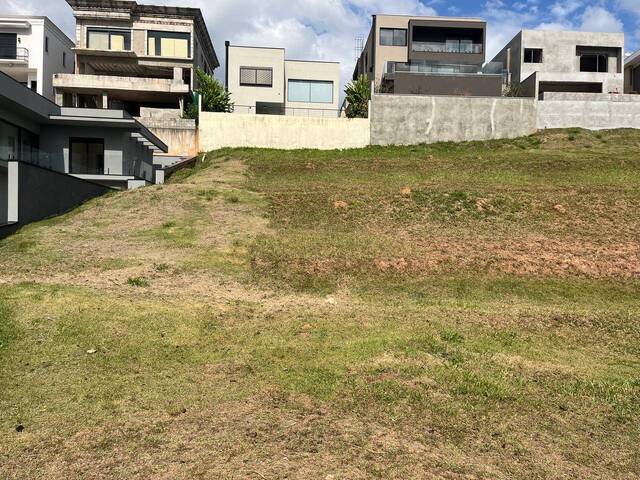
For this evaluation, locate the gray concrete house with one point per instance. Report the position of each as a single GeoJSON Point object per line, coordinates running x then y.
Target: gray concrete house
{"type": "Point", "coordinates": [429, 55]}
{"type": "Point", "coordinates": [261, 80]}
{"type": "Point", "coordinates": [632, 74]}
{"type": "Point", "coordinates": [576, 62]}
{"type": "Point", "coordinates": [131, 56]}
{"type": "Point", "coordinates": [52, 158]}
{"type": "Point", "coordinates": [32, 50]}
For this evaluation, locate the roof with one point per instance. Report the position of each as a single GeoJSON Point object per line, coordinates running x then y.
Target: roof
{"type": "Point", "coordinates": [63, 36]}
{"type": "Point", "coordinates": [432, 17]}
{"type": "Point", "coordinates": [162, 11]}
{"type": "Point", "coordinates": [633, 59]}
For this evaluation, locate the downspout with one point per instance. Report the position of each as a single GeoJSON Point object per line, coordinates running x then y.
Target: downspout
{"type": "Point", "coordinates": [226, 66]}
{"type": "Point", "coordinates": [374, 46]}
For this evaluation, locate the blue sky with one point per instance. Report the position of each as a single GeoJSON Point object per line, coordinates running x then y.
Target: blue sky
{"type": "Point", "coordinates": [326, 29]}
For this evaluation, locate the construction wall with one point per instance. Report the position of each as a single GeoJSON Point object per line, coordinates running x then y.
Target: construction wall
{"type": "Point", "coordinates": [179, 134]}
{"type": "Point", "coordinates": [220, 130]}
{"type": "Point", "coordinates": [413, 119]}
{"type": "Point", "coordinates": [588, 110]}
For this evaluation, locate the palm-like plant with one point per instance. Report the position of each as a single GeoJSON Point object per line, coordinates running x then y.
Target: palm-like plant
{"type": "Point", "coordinates": [358, 94]}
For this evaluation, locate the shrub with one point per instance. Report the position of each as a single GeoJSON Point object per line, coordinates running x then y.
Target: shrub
{"type": "Point", "coordinates": [358, 94]}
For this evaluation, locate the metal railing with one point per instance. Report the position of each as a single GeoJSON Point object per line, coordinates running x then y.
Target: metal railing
{"type": "Point", "coordinates": [292, 111]}
{"type": "Point", "coordinates": [18, 53]}
{"type": "Point", "coordinates": [455, 46]}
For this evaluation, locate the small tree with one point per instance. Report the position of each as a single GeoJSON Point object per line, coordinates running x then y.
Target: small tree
{"type": "Point", "coordinates": [215, 97]}
{"type": "Point", "coordinates": [358, 94]}
{"type": "Point", "coordinates": [514, 89]}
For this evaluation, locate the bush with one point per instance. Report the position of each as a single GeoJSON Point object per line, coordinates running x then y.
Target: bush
{"type": "Point", "coordinates": [358, 94]}
{"type": "Point", "coordinates": [215, 97]}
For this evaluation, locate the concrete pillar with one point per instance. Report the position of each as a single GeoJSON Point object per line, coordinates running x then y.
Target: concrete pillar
{"type": "Point", "coordinates": [181, 105]}
{"type": "Point", "coordinates": [177, 75]}
{"type": "Point", "coordinates": [13, 193]}
{"type": "Point", "coordinates": [59, 97]}
{"type": "Point", "coordinates": [74, 100]}
{"type": "Point", "coordinates": [105, 100]}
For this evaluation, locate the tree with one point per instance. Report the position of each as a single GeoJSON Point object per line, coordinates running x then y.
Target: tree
{"type": "Point", "coordinates": [358, 94]}
{"type": "Point", "coordinates": [215, 97]}
{"type": "Point", "coordinates": [514, 89]}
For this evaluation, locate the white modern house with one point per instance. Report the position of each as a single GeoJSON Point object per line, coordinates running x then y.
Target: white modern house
{"type": "Point", "coordinates": [32, 50]}
{"type": "Point", "coordinates": [564, 61]}
{"type": "Point", "coordinates": [261, 80]}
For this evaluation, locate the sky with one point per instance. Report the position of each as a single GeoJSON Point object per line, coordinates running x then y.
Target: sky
{"type": "Point", "coordinates": [326, 29]}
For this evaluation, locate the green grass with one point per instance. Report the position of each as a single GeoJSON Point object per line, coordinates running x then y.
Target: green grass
{"type": "Point", "coordinates": [442, 311]}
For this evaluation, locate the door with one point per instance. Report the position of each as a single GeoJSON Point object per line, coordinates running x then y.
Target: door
{"type": "Point", "coordinates": [86, 156]}
{"type": "Point", "coordinates": [8, 45]}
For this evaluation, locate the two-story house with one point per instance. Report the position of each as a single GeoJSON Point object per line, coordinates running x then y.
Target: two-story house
{"type": "Point", "coordinates": [429, 55]}
{"type": "Point", "coordinates": [262, 80]}
{"type": "Point", "coordinates": [32, 50]}
{"type": "Point", "coordinates": [563, 61]}
{"type": "Point", "coordinates": [130, 56]}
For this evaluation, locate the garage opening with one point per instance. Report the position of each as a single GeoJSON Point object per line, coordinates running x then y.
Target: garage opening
{"type": "Point", "coordinates": [570, 87]}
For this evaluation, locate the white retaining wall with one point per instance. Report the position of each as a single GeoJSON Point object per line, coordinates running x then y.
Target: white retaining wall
{"type": "Point", "coordinates": [221, 130]}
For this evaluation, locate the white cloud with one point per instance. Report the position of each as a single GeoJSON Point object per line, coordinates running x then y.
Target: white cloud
{"type": "Point", "coordinates": [561, 9]}
{"type": "Point", "coordinates": [597, 19]}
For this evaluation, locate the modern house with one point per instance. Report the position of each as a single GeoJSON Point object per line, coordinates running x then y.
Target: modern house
{"type": "Point", "coordinates": [262, 81]}
{"type": "Point", "coordinates": [131, 56]}
{"type": "Point", "coordinates": [52, 158]}
{"type": "Point", "coordinates": [551, 61]}
{"type": "Point", "coordinates": [632, 74]}
{"type": "Point", "coordinates": [429, 55]}
{"type": "Point", "coordinates": [32, 50]}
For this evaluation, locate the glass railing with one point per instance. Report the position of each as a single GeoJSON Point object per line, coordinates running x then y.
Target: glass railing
{"type": "Point", "coordinates": [14, 53]}
{"type": "Point", "coordinates": [454, 46]}
{"type": "Point", "coordinates": [493, 68]}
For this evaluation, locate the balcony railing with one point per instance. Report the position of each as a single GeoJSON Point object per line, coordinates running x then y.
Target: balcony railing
{"type": "Point", "coordinates": [454, 46]}
{"type": "Point", "coordinates": [20, 54]}
{"type": "Point", "coordinates": [492, 68]}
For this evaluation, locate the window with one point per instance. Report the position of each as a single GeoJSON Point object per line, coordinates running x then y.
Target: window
{"type": "Point", "coordinates": [393, 37]}
{"type": "Point", "coordinates": [8, 141]}
{"type": "Point", "coordinates": [64, 59]}
{"type": "Point", "coordinates": [310, 91]}
{"type": "Point", "coordinates": [594, 63]}
{"type": "Point", "coordinates": [256, 77]}
{"type": "Point", "coordinates": [8, 45]}
{"type": "Point", "coordinates": [46, 44]}
{"type": "Point", "coordinates": [169, 44]}
{"type": "Point", "coordinates": [86, 156]}
{"type": "Point", "coordinates": [532, 55]}
{"type": "Point", "coordinates": [34, 85]}
{"type": "Point", "coordinates": [116, 40]}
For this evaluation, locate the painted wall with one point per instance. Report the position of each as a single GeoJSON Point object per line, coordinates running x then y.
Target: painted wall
{"type": "Point", "coordinates": [409, 120]}
{"type": "Point", "coordinates": [244, 96]}
{"type": "Point", "coordinates": [220, 130]}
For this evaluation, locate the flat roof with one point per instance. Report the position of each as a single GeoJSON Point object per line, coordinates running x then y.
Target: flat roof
{"type": "Point", "coordinates": [230, 45]}
{"type": "Point", "coordinates": [432, 17]}
{"type": "Point", "coordinates": [46, 19]}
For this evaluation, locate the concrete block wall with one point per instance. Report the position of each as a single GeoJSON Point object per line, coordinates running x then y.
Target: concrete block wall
{"type": "Point", "coordinates": [221, 130]}
{"type": "Point", "coordinates": [589, 111]}
{"type": "Point", "coordinates": [413, 119]}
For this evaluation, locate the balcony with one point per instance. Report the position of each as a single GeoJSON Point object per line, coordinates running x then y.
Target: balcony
{"type": "Point", "coordinates": [14, 55]}
{"type": "Point", "coordinates": [454, 46]}
{"type": "Point", "coordinates": [430, 68]}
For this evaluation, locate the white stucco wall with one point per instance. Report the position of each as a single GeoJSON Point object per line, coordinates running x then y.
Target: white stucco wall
{"type": "Point", "coordinates": [221, 130]}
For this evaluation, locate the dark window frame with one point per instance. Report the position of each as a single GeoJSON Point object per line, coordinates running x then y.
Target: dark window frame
{"type": "Point", "coordinates": [394, 31]}
{"type": "Point", "coordinates": [21, 132]}
{"type": "Point", "coordinates": [256, 84]}
{"type": "Point", "coordinates": [85, 141]}
{"type": "Point", "coordinates": [128, 35]}
{"type": "Point", "coordinates": [533, 55]}
{"type": "Point", "coordinates": [600, 68]}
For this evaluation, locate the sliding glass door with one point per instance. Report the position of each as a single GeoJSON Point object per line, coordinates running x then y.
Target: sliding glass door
{"type": "Point", "coordinates": [86, 156]}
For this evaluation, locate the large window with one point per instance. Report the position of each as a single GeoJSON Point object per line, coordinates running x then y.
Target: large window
{"type": "Point", "coordinates": [9, 141]}
{"type": "Point", "coordinates": [393, 37]}
{"type": "Point", "coordinates": [86, 156]}
{"type": "Point", "coordinates": [8, 45]}
{"type": "Point", "coordinates": [594, 63]}
{"type": "Point", "coordinates": [169, 44]}
{"type": "Point", "coordinates": [256, 77]}
{"type": "Point", "coordinates": [309, 91]}
{"type": "Point", "coordinates": [116, 40]}
{"type": "Point", "coordinates": [532, 55]}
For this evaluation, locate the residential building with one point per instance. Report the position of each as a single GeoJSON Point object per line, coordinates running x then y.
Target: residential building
{"type": "Point", "coordinates": [261, 80]}
{"type": "Point", "coordinates": [429, 55]}
{"type": "Point", "coordinates": [632, 74]}
{"type": "Point", "coordinates": [552, 61]}
{"type": "Point", "coordinates": [32, 50]}
{"type": "Point", "coordinates": [52, 157]}
{"type": "Point", "coordinates": [130, 56]}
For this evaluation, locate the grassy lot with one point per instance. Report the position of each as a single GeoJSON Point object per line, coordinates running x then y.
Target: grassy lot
{"type": "Point", "coordinates": [463, 311]}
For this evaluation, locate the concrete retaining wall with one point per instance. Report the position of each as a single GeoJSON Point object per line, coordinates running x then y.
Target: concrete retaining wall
{"type": "Point", "coordinates": [220, 130]}
{"type": "Point", "coordinates": [589, 111]}
{"type": "Point", "coordinates": [179, 134]}
{"type": "Point", "coordinates": [408, 120]}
